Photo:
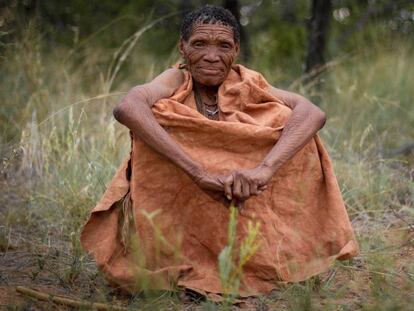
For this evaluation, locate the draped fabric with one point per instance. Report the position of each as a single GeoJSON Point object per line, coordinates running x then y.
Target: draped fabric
{"type": "Point", "coordinates": [155, 228]}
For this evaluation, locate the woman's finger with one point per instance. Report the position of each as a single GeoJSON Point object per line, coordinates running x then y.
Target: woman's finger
{"type": "Point", "coordinates": [253, 188]}
{"type": "Point", "coordinates": [262, 187]}
{"type": "Point", "coordinates": [237, 187]}
{"type": "Point", "coordinates": [245, 189]}
{"type": "Point", "coordinates": [228, 182]}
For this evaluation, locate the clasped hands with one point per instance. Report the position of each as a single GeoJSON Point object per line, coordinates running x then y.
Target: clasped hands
{"type": "Point", "coordinates": [239, 185]}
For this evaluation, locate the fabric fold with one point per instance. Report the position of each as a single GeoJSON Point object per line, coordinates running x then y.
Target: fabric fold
{"type": "Point", "coordinates": [179, 230]}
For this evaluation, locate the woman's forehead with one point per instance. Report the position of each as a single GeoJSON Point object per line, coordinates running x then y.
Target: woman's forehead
{"type": "Point", "coordinates": [212, 29]}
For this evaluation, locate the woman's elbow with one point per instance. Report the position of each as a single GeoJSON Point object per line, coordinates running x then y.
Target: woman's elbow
{"type": "Point", "coordinates": [124, 110]}
{"type": "Point", "coordinates": [321, 118]}
{"type": "Point", "coordinates": [119, 112]}
{"type": "Point", "coordinates": [316, 114]}
{"type": "Point", "coordinates": [135, 99]}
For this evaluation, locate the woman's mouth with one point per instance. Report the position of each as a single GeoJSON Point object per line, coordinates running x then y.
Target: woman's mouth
{"type": "Point", "coordinates": [210, 70]}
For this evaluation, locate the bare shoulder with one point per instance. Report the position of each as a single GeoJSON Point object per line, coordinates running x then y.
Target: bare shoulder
{"type": "Point", "coordinates": [165, 84]}
{"type": "Point", "coordinates": [291, 99]}
{"type": "Point", "coordinates": [162, 86]}
{"type": "Point", "coordinates": [171, 78]}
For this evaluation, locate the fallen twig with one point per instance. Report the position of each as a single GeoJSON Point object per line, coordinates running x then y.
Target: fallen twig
{"type": "Point", "coordinates": [388, 273]}
{"type": "Point", "coordinates": [66, 301]}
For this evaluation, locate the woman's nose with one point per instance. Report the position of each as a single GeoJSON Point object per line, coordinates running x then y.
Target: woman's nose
{"type": "Point", "coordinates": [211, 54]}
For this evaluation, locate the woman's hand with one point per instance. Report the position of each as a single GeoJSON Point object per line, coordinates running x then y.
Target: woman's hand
{"type": "Point", "coordinates": [210, 182]}
{"type": "Point", "coordinates": [213, 185]}
{"type": "Point", "coordinates": [244, 183]}
{"type": "Point", "coordinates": [237, 187]}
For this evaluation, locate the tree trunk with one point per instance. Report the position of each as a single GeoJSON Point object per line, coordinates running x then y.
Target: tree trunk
{"type": "Point", "coordinates": [234, 7]}
{"type": "Point", "coordinates": [318, 29]}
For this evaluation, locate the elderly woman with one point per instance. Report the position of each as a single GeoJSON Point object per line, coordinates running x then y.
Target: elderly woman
{"type": "Point", "coordinates": [206, 134]}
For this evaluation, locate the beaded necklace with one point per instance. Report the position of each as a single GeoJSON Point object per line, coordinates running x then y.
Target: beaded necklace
{"type": "Point", "coordinates": [212, 113]}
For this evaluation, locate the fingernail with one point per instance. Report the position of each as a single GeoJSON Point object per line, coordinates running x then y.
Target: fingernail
{"type": "Point", "coordinates": [228, 197]}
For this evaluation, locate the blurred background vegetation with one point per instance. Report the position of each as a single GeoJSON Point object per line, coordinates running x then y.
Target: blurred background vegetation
{"type": "Point", "coordinates": [283, 25]}
{"type": "Point", "coordinates": [283, 39]}
{"type": "Point", "coordinates": [64, 66]}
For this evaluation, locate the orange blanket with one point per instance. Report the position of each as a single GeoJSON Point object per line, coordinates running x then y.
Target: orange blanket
{"type": "Point", "coordinates": [179, 230]}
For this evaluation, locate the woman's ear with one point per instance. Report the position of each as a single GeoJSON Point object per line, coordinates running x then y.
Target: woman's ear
{"type": "Point", "coordinates": [237, 48]}
{"type": "Point", "coordinates": [181, 47]}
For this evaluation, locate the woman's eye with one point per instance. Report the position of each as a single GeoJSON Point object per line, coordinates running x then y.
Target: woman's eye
{"type": "Point", "coordinates": [198, 44]}
{"type": "Point", "coordinates": [225, 46]}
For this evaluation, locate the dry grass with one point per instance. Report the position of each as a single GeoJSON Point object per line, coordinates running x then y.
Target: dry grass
{"type": "Point", "coordinates": [60, 146]}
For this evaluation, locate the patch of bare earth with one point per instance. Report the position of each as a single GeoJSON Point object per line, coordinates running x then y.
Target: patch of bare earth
{"type": "Point", "coordinates": [26, 260]}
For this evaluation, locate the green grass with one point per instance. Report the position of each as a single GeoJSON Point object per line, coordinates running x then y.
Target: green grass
{"type": "Point", "coordinates": [231, 262]}
{"type": "Point", "coordinates": [60, 146]}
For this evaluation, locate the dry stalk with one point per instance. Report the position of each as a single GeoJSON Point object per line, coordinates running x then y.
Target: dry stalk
{"type": "Point", "coordinates": [66, 301]}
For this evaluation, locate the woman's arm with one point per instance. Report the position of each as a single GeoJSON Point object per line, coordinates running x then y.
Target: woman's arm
{"type": "Point", "coordinates": [134, 111]}
{"type": "Point", "coordinates": [302, 126]}
{"type": "Point", "coordinates": [306, 120]}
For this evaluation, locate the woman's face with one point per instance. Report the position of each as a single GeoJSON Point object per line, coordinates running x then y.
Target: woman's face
{"type": "Point", "coordinates": [210, 51]}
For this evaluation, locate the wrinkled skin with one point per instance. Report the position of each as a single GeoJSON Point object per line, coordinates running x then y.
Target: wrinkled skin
{"type": "Point", "coordinates": [209, 53]}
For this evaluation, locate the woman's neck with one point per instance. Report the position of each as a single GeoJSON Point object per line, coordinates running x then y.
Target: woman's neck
{"type": "Point", "coordinates": [206, 91]}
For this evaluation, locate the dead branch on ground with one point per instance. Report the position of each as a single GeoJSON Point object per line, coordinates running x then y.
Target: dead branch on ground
{"type": "Point", "coordinates": [66, 301]}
